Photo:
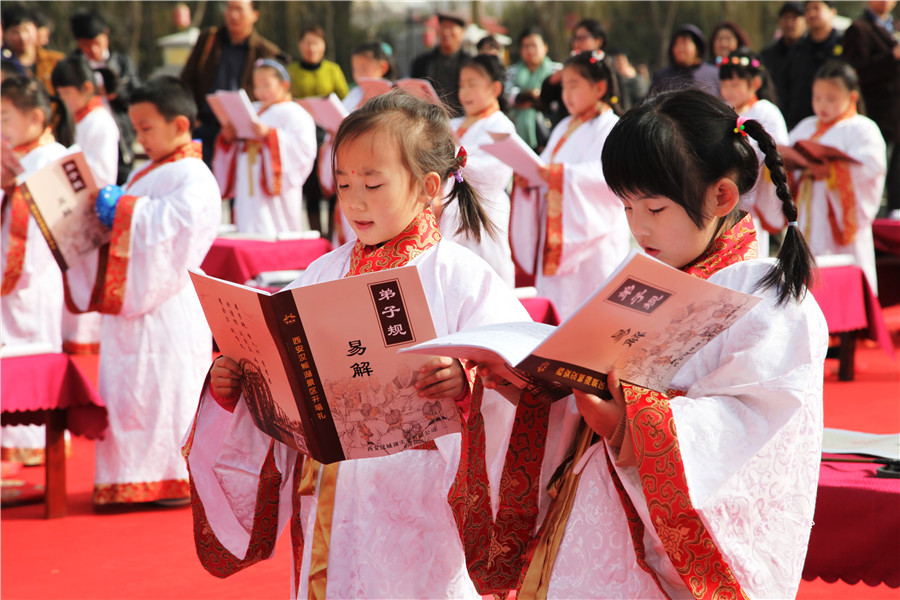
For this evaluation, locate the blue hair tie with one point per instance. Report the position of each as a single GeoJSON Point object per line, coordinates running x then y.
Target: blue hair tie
{"type": "Point", "coordinates": [268, 62]}
{"type": "Point", "coordinates": [386, 48]}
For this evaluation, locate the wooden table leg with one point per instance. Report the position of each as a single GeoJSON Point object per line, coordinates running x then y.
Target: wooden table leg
{"type": "Point", "coordinates": [55, 462]}
{"type": "Point", "coordinates": [846, 366]}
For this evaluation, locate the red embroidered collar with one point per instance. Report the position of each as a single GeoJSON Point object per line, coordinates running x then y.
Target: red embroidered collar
{"type": "Point", "coordinates": [190, 150]}
{"type": "Point", "coordinates": [420, 235]}
{"type": "Point", "coordinates": [93, 104]}
{"type": "Point", "coordinates": [732, 246]}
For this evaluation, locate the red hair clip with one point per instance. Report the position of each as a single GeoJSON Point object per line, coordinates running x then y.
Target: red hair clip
{"type": "Point", "coordinates": [461, 157]}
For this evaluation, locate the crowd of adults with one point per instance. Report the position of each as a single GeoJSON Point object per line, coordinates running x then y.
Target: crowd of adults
{"type": "Point", "coordinates": [222, 59]}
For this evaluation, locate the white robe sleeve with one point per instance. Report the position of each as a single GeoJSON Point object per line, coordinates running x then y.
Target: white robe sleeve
{"type": "Point", "coordinates": [98, 137]}
{"type": "Point", "coordinates": [296, 134]}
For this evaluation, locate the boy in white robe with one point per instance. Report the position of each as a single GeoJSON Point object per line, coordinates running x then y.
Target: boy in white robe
{"type": "Point", "coordinates": [155, 343]}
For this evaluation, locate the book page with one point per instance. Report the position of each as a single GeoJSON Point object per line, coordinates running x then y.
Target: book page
{"type": "Point", "coordinates": [646, 321]}
{"type": "Point", "coordinates": [215, 105]}
{"type": "Point", "coordinates": [327, 112]}
{"type": "Point", "coordinates": [240, 111]}
{"type": "Point", "coordinates": [242, 333]}
{"type": "Point", "coordinates": [420, 88]}
{"type": "Point", "coordinates": [822, 153]}
{"type": "Point", "coordinates": [61, 196]}
{"type": "Point", "coordinates": [842, 441]}
{"type": "Point", "coordinates": [355, 327]}
{"type": "Point", "coordinates": [496, 344]}
{"type": "Point", "coordinates": [513, 151]}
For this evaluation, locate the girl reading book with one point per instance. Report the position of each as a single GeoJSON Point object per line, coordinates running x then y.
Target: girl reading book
{"type": "Point", "coordinates": [481, 95]}
{"type": "Point", "coordinates": [839, 197]}
{"type": "Point", "coordinates": [362, 528]}
{"type": "Point", "coordinates": [706, 489]}
{"type": "Point", "coordinates": [745, 85]}
{"type": "Point", "coordinates": [32, 289]}
{"type": "Point", "coordinates": [265, 175]}
{"type": "Point", "coordinates": [570, 233]}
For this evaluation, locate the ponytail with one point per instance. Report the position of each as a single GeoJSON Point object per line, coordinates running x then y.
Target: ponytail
{"type": "Point", "coordinates": [63, 122]}
{"type": "Point", "coordinates": [793, 273]}
{"type": "Point", "coordinates": [472, 216]}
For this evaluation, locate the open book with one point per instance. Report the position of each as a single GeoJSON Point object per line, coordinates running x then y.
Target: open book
{"type": "Point", "coordinates": [320, 367]}
{"type": "Point", "coordinates": [645, 322]}
{"type": "Point", "coordinates": [234, 108]}
{"type": "Point", "coordinates": [514, 152]}
{"type": "Point", "coordinates": [327, 111]}
{"type": "Point", "coordinates": [420, 88]}
{"type": "Point", "coordinates": [61, 196]}
{"type": "Point", "coordinates": [803, 152]}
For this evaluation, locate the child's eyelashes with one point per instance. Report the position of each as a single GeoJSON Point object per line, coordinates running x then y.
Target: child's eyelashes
{"type": "Point", "coordinates": [656, 211]}
{"type": "Point", "coordinates": [373, 187]}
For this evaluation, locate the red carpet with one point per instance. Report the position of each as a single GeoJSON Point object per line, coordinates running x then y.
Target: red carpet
{"type": "Point", "coordinates": [149, 553]}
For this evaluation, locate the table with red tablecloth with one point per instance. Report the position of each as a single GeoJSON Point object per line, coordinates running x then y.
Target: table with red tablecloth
{"type": "Point", "coordinates": [886, 235]}
{"type": "Point", "coordinates": [238, 260]}
{"type": "Point", "coordinates": [850, 308]}
{"type": "Point", "coordinates": [51, 389]}
{"type": "Point", "coordinates": [856, 531]}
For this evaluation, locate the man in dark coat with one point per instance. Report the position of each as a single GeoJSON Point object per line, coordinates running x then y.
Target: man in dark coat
{"type": "Point", "coordinates": [222, 59]}
{"type": "Point", "coordinates": [792, 26]}
{"type": "Point", "coordinates": [872, 47]}
{"type": "Point", "coordinates": [441, 65]}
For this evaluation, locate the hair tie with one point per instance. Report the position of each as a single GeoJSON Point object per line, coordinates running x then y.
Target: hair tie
{"type": "Point", "coordinates": [461, 157]}
{"type": "Point", "coordinates": [268, 62]}
{"type": "Point", "coordinates": [793, 224]}
{"type": "Point", "coordinates": [386, 48]}
{"type": "Point", "coordinates": [597, 56]}
{"type": "Point", "coordinates": [740, 126]}
{"type": "Point", "coordinates": [614, 100]}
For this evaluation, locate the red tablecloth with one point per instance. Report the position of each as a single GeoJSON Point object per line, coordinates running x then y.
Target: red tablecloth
{"type": "Point", "coordinates": [541, 310]}
{"type": "Point", "coordinates": [849, 304]}
{"type": "Point", "coordinates": [856, 535]}
{"type": "Point", "coordinates": [238, 260]}
{"type": "Point", "coordinates": [30, 384]}
{"type": "Point", "coordinates": [886, 234]}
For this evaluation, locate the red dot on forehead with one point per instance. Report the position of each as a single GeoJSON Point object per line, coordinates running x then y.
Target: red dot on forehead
{"type": "Point", "coordinates": [353, 172]}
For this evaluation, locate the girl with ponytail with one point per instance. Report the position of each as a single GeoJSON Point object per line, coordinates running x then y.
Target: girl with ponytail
{"type": "Point", "coordinates": [568, 230]}
{"type": "Point", "coordinates": [709, 489]}
{"type": "Point", "coordinates": [382, 518]}
{"type": "Point", "coordinates": [31, 299]}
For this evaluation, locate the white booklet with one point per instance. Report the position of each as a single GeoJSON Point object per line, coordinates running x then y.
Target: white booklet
{"type": "Point", "coordinates": [320, 367]}
{"type": "Point", "coordinates": [61, 196]}
{"type": "Point", "coordinates": [234, 108]}
{"type": "Point", "coordinates": [327, 111]}
{"type": "Point", "coordinates": [514, 152]}
{"type": "Point", "coordinates": [645, 321]}
{"type": "Point", "coordinates": [420, 88]}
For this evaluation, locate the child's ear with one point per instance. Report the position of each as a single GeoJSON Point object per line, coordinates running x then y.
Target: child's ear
{"type": "Point", "coordinates": [182, 125]}
{"type": "Point", "coordinates": [724, 196]}
{"type": "Point", "coordinates": [755, 83]}
{"type": "Point", "coordinates": [601, 88]}
{"type": "Point", "coordinates": [431, 186]}
{"type": "Point", "coordinates": [496, 88]}
{"type": "Point", "coordinates": [854, 97]}
{"type": "Point", "coordinates": [88, 88]}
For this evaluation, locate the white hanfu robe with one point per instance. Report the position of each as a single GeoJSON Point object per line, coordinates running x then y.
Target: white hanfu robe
{"type": "Point", "coordinates": [490, 178]}
{"type": "Point", "coordinates": [266, 176]}
{"type": "Point", "coordinates": [762, 202]}
{"type": "Point", "coordinates": [737, 440]}
{"type": "Point", "coordinates": [155, 351]}
{"type": "Point", "coordinates": [393, 533]}
{"type": "Point", "coordinates": [97, 134]}
{"type": "Point", "coordinates": [32, 311]}
{"type": "Point", "coordinates": [859, 138]}
{"type": "Point", "coordinates": [595, 234]}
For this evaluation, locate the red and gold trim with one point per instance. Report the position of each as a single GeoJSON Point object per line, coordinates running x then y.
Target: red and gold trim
{"type": "Point", "coordinates": [93, 104]}
{"type": "Point", "coordinates": [688, 543]}
{"type": "Point", "coordinates": [71, 347]}
{"type": "Point", "coordinates": [840, 182]}
{"type": "Point", "coordinates": [553, 240]}
{"type": "Point", "coordinates": [117, 493]}
{"type": "Point", "coordinates": [420, 235]}
{"type": "Point", "coordinates": [18, 241]}
{"type": "Point", "coordinates": [732, 246]}
{"type": "Point", "coordinates": [496, 549]}
{"type": "Point", "coordinates": [190, 150]}
{"type": "Point", "coordinates": [467, 123]}
{"type": "Point", "coordinates": [270, 143]}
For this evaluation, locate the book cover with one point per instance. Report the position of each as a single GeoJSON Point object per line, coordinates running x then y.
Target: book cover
{"type": "Point", "coordinates": [327, 111]}
{"type": "Point", "coordinates": [235, 108]}
{"type": "Point", "coordinates": [61, 196]}
{"type": "Point", "coordinates": [512, 150]}
{"type": "Point", "coordinates": [645, 322]}
{"type": "Point", "coordinates": [420, 88]}
{"type": "Point", "coordinates": [320, 367]}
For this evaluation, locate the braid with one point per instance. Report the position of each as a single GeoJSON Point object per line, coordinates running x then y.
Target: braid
{"type": "Point", "coordinates": [793, 273]}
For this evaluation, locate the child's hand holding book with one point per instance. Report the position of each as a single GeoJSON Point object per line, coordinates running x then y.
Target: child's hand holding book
{"type": "Point", "coordinates": [225, 382]}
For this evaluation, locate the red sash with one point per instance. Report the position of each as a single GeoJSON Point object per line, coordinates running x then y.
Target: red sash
{"type": "Point", "coordinates": [93, 104]}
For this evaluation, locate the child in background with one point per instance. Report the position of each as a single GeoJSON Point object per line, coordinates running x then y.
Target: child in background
{"type": "Point", "coordinates": [97, 134]}
{"type": "Point", "coordinates": [369, 60]}
{"type": "Point", "coordinates": [839, 200]}
{"type": "Point", "coordinates": [572, 233]}
{"type": "Point", "coordinates": [266, 175]}
{"type": "Point", "coordinates": [746, 86]}
{"type": "Point", "coordinates": [481, 95]}
{"type": "Point", "coordinates": [155, 343]}
{"type": "Point", "coordinates": [31, 297]}
{"type": "Point", "coordinates": [709, 489]}
{"type": "Point", "coordinates": [385, 517]}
